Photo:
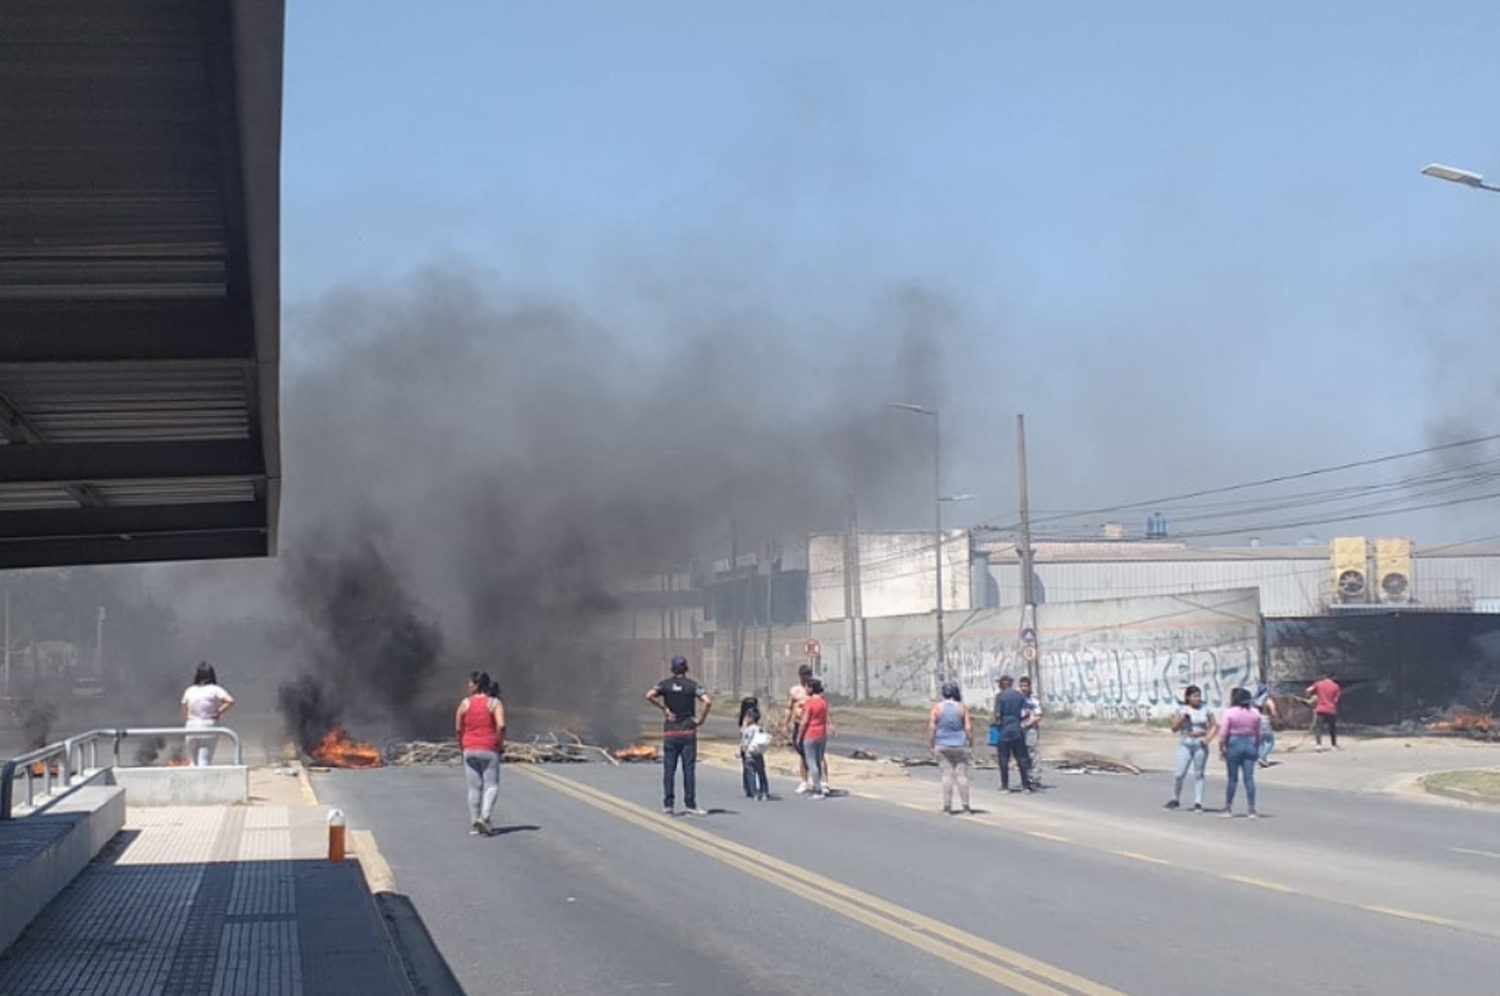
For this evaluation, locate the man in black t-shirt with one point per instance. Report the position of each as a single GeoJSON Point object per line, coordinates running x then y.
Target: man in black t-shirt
{"type": "Point", "coordinates": [677, 697]}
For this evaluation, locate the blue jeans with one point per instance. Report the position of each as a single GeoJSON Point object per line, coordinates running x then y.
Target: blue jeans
{"type": "Point", "coordinates": [1240, 754]}
{"type": "Point", "coordinates": [1269, 738]}
{"type": "Point", "coordinates": [684, 749]}
{"type": "Point", "coordinates": [1190, 754]}
{"type": "Point", "coordinates": [753, 775]}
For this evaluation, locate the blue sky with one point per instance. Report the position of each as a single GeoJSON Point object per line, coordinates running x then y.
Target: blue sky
{"type": "Point", "coordinates": [1188, 239]}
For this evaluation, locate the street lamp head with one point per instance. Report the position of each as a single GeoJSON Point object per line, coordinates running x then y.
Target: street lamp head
{"type": "Point", "coordinates": [907, 406]}
{"type": "Point", "coordinates": [1453, 175]}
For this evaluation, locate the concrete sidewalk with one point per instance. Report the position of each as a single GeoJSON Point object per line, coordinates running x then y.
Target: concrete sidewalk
{"type": "Point", "coordinates": [233, 900]}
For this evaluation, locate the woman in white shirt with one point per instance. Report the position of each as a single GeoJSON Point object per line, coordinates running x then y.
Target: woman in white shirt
{"type": "Point", "coordinates": [202, 705]}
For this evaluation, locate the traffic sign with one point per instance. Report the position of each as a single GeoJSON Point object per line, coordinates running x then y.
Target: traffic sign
{"type": "Point", "coordinates": [1028, 635]}
{"type": "Point", "coordinates": [1028, 653]}
{"type": "Point", "coordinates": [812, 648]}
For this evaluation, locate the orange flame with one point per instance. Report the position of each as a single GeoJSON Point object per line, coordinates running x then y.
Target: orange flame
{"type": "Point", "coordinates": [1466, 722]}
{"type": "Point", "coordinates": [636, 752]}
{"type": "Point", "coordinates": [338, 751]}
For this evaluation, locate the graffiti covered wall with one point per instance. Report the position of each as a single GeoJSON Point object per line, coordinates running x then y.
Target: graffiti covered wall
{"type": "Point", "coordinates": [1122, 659]}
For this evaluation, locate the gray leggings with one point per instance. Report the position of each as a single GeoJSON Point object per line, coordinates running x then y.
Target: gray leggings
{"type": "Point", "coordinates": [953, 762]}
{"type": "Point", "coordinates": [817, 765]}
{"type": "Point", "coordinates": [482, 768]}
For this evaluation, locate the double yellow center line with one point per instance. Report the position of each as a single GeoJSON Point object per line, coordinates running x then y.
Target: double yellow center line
{"type": "Point", "coordinates": [1012, 969]}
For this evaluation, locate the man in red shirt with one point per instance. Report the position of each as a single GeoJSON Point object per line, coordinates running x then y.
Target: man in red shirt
{"type": "Point", "coordinates": [1325, 693]}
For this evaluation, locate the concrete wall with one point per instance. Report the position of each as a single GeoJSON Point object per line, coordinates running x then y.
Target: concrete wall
{"type": "Point", "coordinates": [1115, 659]}
{"type": "Point", "coordinates": [1293, 581]}
{"type": "Point", "coordinates": [42, 853]}
{"type": "Point", "coordinates": [896, 574]}
{"type": "Point", "coordinates": [215, 785]}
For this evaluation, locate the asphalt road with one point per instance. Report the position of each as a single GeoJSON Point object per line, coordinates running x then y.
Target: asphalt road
{"type": "Point", "coordinates": [1090, 888]}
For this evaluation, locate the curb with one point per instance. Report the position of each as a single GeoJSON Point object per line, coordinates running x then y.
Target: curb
{"type": "Point", "coordinates": [1462, 795]}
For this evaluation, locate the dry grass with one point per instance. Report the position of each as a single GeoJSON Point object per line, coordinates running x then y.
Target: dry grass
{"type": "Point", "coordinates": [1485, 782]}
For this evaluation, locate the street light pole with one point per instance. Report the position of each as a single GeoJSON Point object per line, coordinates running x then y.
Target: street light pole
{"type": "Point", "coordinates": [1453, 174]}
{"type": "Point", "coordinates": [941, 670]}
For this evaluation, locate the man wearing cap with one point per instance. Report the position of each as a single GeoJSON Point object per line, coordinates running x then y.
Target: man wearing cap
{"type": "Point", "coordinates": [677, 697]}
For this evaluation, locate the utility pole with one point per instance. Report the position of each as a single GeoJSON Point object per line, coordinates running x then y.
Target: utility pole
{"type": "Point", "coordinates": [770, 582]}
{"type": "Point", "coordinates": [7, 635]}
{"type": "Point", "coordinates": [738, 632]}
{"type": "Point", "coordinates": [851, 596]}
{"type": "Point", "coordinates": [1024, 555]}
{"type": "Point", "coordinates": [861, 651]}
{"type": "Point", "coordinates": [99, 645]}
{"type": "Point", "coordinates": [937, 504]}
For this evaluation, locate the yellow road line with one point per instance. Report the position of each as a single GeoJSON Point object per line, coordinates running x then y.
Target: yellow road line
{"type": "Point", "coordinates": [1044, 835]}
{"type": "Point", "coordinates": [957, 947]}
{"type": "Point", "coordinates": [1412, 915]}
{"type": "Point", "coordinates": [867, 795]}
{"type": "Point", "coordinates": [1135, 856]}
{"type": "Point", "coordinates": [1260, 883]}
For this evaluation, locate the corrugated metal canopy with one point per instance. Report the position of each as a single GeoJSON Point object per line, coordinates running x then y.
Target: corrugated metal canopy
{"type": "Point", "coordinates": [139, 283]}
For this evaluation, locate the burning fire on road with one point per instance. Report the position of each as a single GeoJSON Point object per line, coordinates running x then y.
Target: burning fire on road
{"type": "Point", "coordinates": [338, 750]}
{"type": "Point", "coordinates": [636, 752]}
{"type": "Point", "coordinates": [1466, 721]}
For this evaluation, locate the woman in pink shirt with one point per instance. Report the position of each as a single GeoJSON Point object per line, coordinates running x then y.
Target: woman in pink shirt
{"type": "Point", "coordinates": [1239, 745]}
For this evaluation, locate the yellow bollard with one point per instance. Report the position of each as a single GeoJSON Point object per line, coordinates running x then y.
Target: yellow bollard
{"type": "Point", "coordinates": [335, 836]}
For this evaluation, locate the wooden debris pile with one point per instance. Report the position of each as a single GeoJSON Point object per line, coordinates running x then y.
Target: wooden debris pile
{"type": "Point", "coordinates": [549, 748]}
{"type": "Point", "coordinates": [1083, 762]}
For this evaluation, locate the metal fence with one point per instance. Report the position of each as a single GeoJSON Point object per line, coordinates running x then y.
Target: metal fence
{"type": "Point", "coordinates": [61, 767]}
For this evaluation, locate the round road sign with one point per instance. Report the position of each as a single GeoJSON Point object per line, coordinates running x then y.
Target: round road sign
{"type": "Point", "coordinates": [1028, 653]}
{"type": "Point", "coordinates": [812, 648]}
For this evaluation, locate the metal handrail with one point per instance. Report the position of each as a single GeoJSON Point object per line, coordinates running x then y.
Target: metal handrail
{"type": "Point", "coordinates": [85, 744]}
{"type": "Point", "coordinates": [44, 755]}
{"type": "Point", "coordinates": [169, 731]}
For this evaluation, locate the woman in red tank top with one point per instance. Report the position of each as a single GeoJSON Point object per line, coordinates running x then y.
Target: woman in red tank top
{"type": "Point", "coordinates": [479, 725]}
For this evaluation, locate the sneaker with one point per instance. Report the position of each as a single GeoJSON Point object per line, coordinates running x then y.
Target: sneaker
{"type": "Point", "coordinates": [694, 811]}
{"type": "Point", "coordinates": [483, 826]}
{"type": "Point", "coordinates": [474, 829]}
{"type": "Point", "coordinates": [1197, 807]}
{"type": "Point", "coordinates": [667, 811]}
{"type": "Point", "coordinates": [967, 811]}
{"type": "Point", "coordinates": [1254, 815]}
{"type": "Point", "coordinates": [1226, 814]}
{"type": "Point", "coordinates": [818, 795]}
{"type": "Point", "coordinates": [1171, 804]}
{"type": "Point", "coordinates": [802, 788]}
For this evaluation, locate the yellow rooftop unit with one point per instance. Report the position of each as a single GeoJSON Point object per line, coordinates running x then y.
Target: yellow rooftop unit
{"type": "Point", "coordinates": [1351, 565]}
{"type": "Point", "coordinates": [1393, 570]}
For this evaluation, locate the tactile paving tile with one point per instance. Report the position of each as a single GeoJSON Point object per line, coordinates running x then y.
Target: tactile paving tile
{"type": "Point", "coordinates": [259, 959]}
{"type": "Point", "coordinates": [186, 902]}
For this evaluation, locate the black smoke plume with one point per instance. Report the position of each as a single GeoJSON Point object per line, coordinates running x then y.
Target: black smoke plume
{"type": "Point", "coordinates": [366, 643]}
{"type": "Point", "coordinates": [472, 474]}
